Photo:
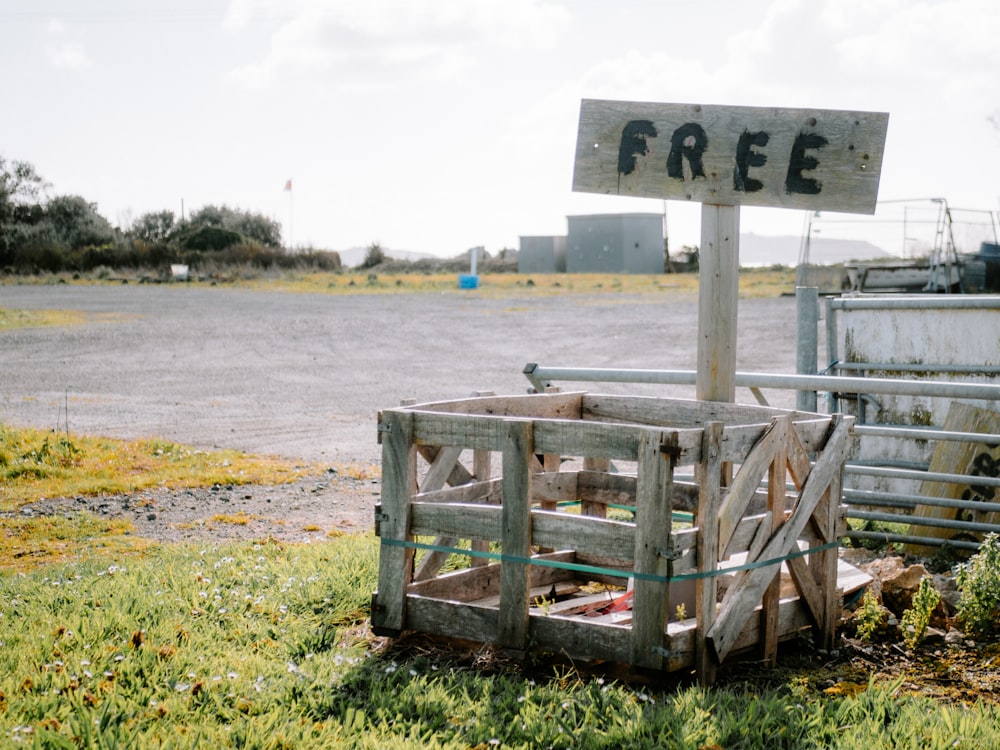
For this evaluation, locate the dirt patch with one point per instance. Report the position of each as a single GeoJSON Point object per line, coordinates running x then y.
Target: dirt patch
{"type": "Point", "coordinates": [309, 510]}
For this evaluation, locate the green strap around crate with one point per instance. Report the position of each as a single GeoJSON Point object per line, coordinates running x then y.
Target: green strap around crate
{"type": "Point", "coordinates": [579, 568]}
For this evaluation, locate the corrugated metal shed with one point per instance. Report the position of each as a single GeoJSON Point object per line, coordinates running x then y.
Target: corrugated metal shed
{"type": "Point", "coordinates": [615, 243]}
{"type": "Point", "coordinates": [542, 254]}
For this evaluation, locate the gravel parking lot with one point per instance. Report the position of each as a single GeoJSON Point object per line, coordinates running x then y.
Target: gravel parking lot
{"type": "Point", "coordinates": [304, 375]}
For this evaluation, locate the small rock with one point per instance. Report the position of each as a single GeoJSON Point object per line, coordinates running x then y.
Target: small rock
{"type": "Point", "coordinates": [898, 588]}
{"type": "Point", "coordinates": [953, 637]}
{"type": "Point", "coordinates": [933, 636]}
{"type": "Point", "coordinates": [946, 586]}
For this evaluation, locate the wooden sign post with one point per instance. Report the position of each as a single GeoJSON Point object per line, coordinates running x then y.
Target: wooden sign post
{"type": "Point", "coordinates": [725, 157]}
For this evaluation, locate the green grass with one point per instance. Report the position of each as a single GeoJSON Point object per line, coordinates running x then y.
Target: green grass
{"type": "Point", "coordinates": [265, 646]}
{"type": "Point", "coordinates": [36, 464]}
{"type": "Point", "coordinates": [186, 648]}
{"type": "Point", "coordinates": [11, 318]}
{"type": "Point", "coordinates": [39, 463]}
{"type": "Point", "coordinates": [753, 282]}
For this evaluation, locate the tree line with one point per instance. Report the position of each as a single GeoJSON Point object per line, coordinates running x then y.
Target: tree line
{"type": "Point", "coordinates": [40, 234]}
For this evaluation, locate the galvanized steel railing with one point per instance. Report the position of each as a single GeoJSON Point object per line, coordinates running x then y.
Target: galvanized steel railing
{"type": "Point", "coordinates": [894, 507]}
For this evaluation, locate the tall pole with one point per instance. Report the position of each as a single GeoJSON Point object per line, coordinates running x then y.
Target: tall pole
{"type": "Point", "coordinates": [718, 288]}
{"type": "Point", "coordinates": [291, 237]}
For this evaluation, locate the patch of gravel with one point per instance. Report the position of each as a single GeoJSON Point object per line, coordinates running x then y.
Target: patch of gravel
{"type": "Point", "coordinates": [309, 510]}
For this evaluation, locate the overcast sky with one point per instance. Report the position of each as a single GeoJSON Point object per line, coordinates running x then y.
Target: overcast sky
{"type": "Point", "coordinates": [438, 125]}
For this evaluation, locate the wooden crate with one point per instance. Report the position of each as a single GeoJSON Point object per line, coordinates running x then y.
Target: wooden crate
{"type": "Point", "coordinates": [547, 564]}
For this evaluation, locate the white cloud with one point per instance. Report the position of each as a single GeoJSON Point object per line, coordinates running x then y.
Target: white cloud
{"type": "Point", "coordinates": [440, 39]}
{"type": "Point", "coordinates": [68, 55]}
{"type": "Point", "coordinates": [63, 51]}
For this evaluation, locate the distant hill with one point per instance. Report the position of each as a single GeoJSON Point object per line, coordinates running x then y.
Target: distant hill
{"type": "Point", "coordinates": [755, 250]}
{"type": "Point", "coordinates": [761, 250]}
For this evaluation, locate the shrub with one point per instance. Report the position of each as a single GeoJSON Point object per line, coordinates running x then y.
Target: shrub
{"type": "Point", "coordinates": [979, 582]}
{"type": "Point", "coordinates": [915, 620]}
{"type": "Point", "coordinates": [374, 256]}
{"type": "Point", "coordinates": [869, 617]}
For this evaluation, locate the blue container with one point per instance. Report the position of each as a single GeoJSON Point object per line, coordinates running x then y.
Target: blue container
{"type": "Point", "coordinates": [468, 281]}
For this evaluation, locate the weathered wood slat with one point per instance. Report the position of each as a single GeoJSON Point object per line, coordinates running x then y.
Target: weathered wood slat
{"type": "Point", "coordinates": [564, 486]}
{"type": "Point", "coordinates": [586, 534]}
{"type": "Point", "coordinates": [575, 606]}
{"type": "Point", "coordinates": [595, 469]}
{"type": "Point", "coordinates": [612, 540]}
{"type": "Point", "coordinates": [465, 430]}
{"type": "Point", "coordinates": [518, 449]}
{"type": "Point", "coordinates": [459, 474]}
{"type": "Point", "coordinates": [584, 638]}
{"type": "Point", "coordinates": [561, 587]}
{"type": "Point", "coordinates": [745, 483]}
{"type": "Point", "coordinates": [753, 582]}
{"type": "Point", "coordinates": [441, 468]}
{"type": "Point", "coordinates": [799, 464]}
{"type": "Point", "coordinates": [482, 462]}
{"type": "Point", "coordinates": [465, 620]}
{"type": "Point", "coordinates": [750, 536]}
{"type": "Point", "coordinates": [776, 478]}
{"type": "Point", "coordinates": [673, 413]}
{"type": "Point", "coordinates": [845, 149]}
{"type": "Point", "coordinates": [811, 434]}
{"type": "Point", "coordinates": [456, 520]}
{"type": "Point", "coordinates": [468, 585]}
{"type": "Point", "coordinates": [559, 405]}
{"type": "Point", "coordinates": [399, 468]}
{"type": "Point", "coordinates": [554, 487]}
{"type": "Point", "coordinates": [609, 563]}
{"type": "Point", "coordinates": [686, 561]}
{"type": "Point", "coordinates": [587, 439]}
{"type": "Point", "coordinates": [824, 565]}
{"type": "Point", "coordinates": [707, 541]}
{"type": "Point", "coordinates": [652, 546]}
{"type": "Point", "coordinates": [808, 589]}
{"type": "Point", "coordinates": [739, 441]}
{"type": "Point", "coordinates": [557, 436]}
{"type": "Point", "coordinates": [476, 584]}
{"type": "Point", "coordinates": [603, 487]}
{"type": "Point", "coordinates": [623, 617]}
{"type": "Point", "coordinates": [477, 492]}
{"type": "Point", "coordinates": [792, 620]}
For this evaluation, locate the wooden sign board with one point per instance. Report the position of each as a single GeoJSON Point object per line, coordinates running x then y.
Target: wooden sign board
{"type": "Point", "coordinates": [811, 159]}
